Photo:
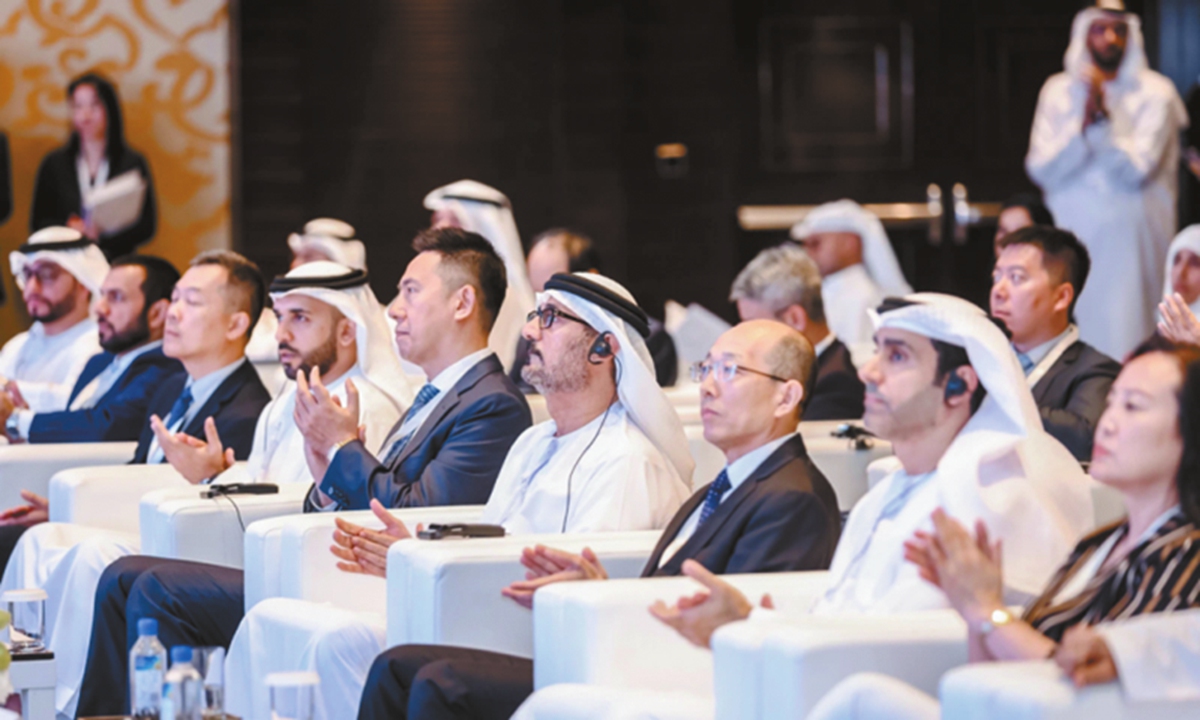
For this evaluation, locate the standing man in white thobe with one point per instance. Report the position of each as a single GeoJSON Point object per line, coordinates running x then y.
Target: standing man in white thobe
{"type": "Point", "coordinates": [58, 273]}
{"type": "Point", "coordinates": [858, 269]}
{"type": "Point", "coordinates": [1105, 151]}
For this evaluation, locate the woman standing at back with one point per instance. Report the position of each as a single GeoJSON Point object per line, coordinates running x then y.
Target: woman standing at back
{"type": "Point", "coordinates": [95, 153]}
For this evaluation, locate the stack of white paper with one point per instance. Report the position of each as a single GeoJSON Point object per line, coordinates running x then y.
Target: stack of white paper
{"type": "Point", "coordinates": [116, 204]}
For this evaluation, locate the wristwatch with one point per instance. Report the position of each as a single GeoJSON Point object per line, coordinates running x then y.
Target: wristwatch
{"type": "Point", "coordinates": [998, 618]}
{"type": "Point", "coordinates": [12, 428]}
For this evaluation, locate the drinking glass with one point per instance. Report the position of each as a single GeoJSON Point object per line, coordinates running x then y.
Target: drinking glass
{"type": "Point", "coordinates": [292, 695]}
{"type": "Point", "coordinates": [27, 608]}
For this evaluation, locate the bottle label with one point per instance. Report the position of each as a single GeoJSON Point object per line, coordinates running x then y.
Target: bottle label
{"type": "Point", "coordinates": [148, 682]}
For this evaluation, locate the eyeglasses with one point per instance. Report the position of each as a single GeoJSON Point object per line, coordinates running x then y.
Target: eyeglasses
{"type": "Point", "coordinates": [725, 371]}
{"type": "Point", "coordinates": [547, 314]}
{"type": "Point", "coordinates": [45, 274]}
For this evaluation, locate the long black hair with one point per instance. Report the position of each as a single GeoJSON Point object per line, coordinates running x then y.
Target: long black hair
{"type": "Point", "coordinates": [114, 148]}
{"type": "Point", "coordinates": [1187, 478]}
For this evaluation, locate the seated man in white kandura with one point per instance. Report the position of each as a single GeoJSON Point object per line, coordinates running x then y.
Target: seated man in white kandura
{"type": "Point", "coordinates": [330, 325]}
{"type": "Point", "coordinates": [612, 457]}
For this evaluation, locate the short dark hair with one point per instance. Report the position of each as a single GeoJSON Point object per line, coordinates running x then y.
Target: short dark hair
{"type": "Point", "coordinates": [160, 276]}
{"type": "Point", "coordinates": [1038, 212]}
{"type": "Point", "coordinates": [582, 255]}
{"type": "Point", "coordinates": [474, 258]}
{"type": "Point", "coordinates": [949, 357]}
{"type": "Point", "coordinates": [1062, 254]}
{"type": "Point", "coordinates": [1187, 478]}
{"type": "Point", "coordinates": [248, 290]}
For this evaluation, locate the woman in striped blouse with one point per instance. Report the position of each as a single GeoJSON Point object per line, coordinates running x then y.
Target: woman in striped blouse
{"type": "Point", "coordinates": [1147, 448]}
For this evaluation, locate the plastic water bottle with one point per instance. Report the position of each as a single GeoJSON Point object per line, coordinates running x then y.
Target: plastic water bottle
{"type": "Point", "coordinates": [147, 663]}
{"type": "Point", "coordinates": [183, 689]}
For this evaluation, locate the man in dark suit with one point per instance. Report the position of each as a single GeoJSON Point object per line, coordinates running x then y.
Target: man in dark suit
{"type": "Point", "coordinates": [1040, 272]}
{"type": "Point", "coordinates": [448, 449]}
{"type": "Point", "coordinates": [782, 283]}
{"type": "Point", "coordinates": [109, 400]}
{"type": "Point", "coordinates": [207, 326]}
{"type": "Point", "coordinates": [769, 510]}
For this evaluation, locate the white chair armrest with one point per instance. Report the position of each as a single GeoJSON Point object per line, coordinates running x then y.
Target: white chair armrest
{"type": "Point", "coordinates": [601, 633]}
{"type": "Point", "coordinates": [779, 669]}
{"type": "Point", "coordinates": [1039, 691]}
{"type": "Point", "coordinates": [263, 547]}
{"type": "Point", "coordinates": [178, 523]}
{"type": "Point", "coordinates": [448, 592]}
{"type": "Point", "coordinates": [107, 497]}
{"type": "Point", "coordinates": [309, 571]}
{"type": "Point", "coordinates": [30, 466]}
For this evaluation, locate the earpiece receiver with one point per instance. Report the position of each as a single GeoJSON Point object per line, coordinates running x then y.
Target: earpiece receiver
{"type": "Point", "coordinates": [600, 349]}
{"type": "Point", "coordinates": [955, 386]}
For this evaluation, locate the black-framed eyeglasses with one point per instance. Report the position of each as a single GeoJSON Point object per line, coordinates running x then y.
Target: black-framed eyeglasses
{"type": "Point", "coordinates": [725, 371]}
{"type": "Point", "coordinates": [547, 314]}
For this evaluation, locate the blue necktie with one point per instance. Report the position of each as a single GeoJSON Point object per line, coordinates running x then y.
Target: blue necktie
{"type": "Point", "coordinates": [427, 393]}
{"type": "Point", "coordinates": [712, 499]}
{"type": "Point", "coordinates": [1026, 362]}
{"type": "Point", "coordinates": [180, 408]}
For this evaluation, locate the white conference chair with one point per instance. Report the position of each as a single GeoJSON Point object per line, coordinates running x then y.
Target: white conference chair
{"type": "Point", "coordinates": [28, 466]}
{"type": "Point", "coordinates": [447, 592]}
{"type": "Point", "coordinates": [601, 633]}
{"type": "Point", "coordinates": [108, 497]}
{"type": "Point", "coordinates": [179, 523]}
{"type": "Point", "coordinates": [779, 669]}
{"type": "Point", "coordinates": [1040, 691]}
{"type": "Point", "coordinates": [289, 556]}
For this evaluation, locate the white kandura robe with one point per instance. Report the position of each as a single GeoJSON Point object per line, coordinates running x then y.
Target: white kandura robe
{"type": "Point", "coordinates": [1115, 187]}
{"type": "Point", "coordinates": [46, 367]}
{"type": "Point", "coordinates": [67, 560]}
{"type": "Point", "coordinates": [848, 294]}
{"type": "Point", "coordinates": [1027, 493]}
{"type": "Point", "coordinates": [622, 483]}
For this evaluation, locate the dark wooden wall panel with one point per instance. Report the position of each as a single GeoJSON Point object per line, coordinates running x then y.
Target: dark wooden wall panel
{"type": "Point", "coordinates": [356, 110]}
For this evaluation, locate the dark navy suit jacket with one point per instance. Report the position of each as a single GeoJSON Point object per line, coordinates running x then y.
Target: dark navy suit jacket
{"type": "Point", "coordinates": [235, 406]}
{"type": "Point", "coordinates": [783, 517]}
{"type": "Point", "coordinates": [452, 459]}
{"type": "Point", "coordinates": [119, 414]}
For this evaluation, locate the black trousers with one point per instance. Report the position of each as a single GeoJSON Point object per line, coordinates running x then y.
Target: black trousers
{"type": "Point", "coordinates": [196, 604]}
{"type": "Point", "coordinates": [9, 535]}
{"type": "Point", "coordinates": [438, 682]}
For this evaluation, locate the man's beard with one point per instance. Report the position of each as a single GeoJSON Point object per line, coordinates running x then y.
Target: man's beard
{"type": "Point", "coordinates": [569, 374]}
{"type": "Point", "coordinates": [321, 358]}
{"type": "Point", "coordinates": [1109, 63]}
{"type": "Point", "coordinates": [56, 310]}
{"type": "Point", "coordinates": [119, 342]}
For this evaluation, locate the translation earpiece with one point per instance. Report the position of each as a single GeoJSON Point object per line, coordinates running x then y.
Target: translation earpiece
{"type": "Point", "coordinates": [600, 349]}
{"type": "Point", "coordinates": [955, 386]}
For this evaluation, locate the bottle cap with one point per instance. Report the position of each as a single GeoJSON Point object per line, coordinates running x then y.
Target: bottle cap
{"type": "Point", "coordinates": [181, 654]}
{"type": "Point", "coordinates": [147, 626]}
